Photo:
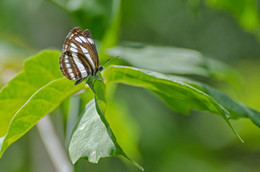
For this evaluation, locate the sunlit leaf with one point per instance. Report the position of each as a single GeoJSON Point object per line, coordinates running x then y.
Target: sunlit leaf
{"type": "Point", "coordinates": [31, 95]}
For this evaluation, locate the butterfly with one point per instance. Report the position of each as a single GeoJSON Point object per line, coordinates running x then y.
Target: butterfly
{"type": "Point", "coordinates": [79, 58]}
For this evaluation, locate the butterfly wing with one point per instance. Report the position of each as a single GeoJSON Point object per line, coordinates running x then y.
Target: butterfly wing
{"type": "Point", "coordinates": [78, 42]}
{"type": "Point", "coordinates": [75, 66]}
{"type": "Point", "coordinates": [93, 46]}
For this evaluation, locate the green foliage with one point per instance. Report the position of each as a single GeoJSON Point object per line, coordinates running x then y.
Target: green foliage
{"type": "Point", "coordinates": [31, 95]}
{"type": "Point", "coordinates": [41, 88]}
{"type": "Point", "coordinates": [96, 12]}
{"type": "Point", "coordinates": [245, 12]}
{"type": "Point", "coordinates": [171, 89]}
{"type": "Point", "coordinates": [93, 138]}
{"type": "Point", "coordinates": [175, 90]}
{"type": "Point", "coordinates": [182, 61]}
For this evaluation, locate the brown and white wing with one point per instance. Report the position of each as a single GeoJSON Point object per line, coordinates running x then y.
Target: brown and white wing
{"type": "Point", "coordinates": [77, 42]}
{"type": "Point", "coordinates": [75, 66]}
{"type": "Point", "coordinates": [71, 36]}
{"type": "Point", "coordinates": [90, 39]}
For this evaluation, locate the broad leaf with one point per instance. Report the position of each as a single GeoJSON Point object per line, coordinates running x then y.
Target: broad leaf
{"type": "Point", "coordinates": [174, 60]}
{"type": "Point", "coordinates": [236, 110]}
{"type": "Point", "coordinates": [92, 137]}
{"type": "Point", "coordinates": [31, 95]}
{"type": "Point", "coordinates": [180, 94]}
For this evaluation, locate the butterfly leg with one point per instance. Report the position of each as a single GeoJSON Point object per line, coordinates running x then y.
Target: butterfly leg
{"type": "Point", "coordinates": [79, 81]}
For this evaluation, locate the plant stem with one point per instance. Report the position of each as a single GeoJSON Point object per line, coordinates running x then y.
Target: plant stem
{"type": "Point", "coordinates": [53, 146]}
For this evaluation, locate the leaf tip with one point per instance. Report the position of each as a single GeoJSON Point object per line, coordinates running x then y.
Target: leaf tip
{"type": "Point", "coordinates": [133, 162]}
{"type": "Point", "coordinates": [239, 138]}
{"type": "Point", "coordinates": [138, 166]}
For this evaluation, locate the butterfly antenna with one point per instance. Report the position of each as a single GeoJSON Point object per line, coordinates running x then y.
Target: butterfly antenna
{"type": "Point", "coordinates": [110, 60]}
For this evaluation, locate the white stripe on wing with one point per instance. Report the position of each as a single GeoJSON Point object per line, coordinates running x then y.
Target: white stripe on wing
{"type": "Point", "coordinates": [80, 66]}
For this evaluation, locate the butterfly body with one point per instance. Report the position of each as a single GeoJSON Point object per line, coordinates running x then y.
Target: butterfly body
{"type": "Point", "coordinates": [79, 58]}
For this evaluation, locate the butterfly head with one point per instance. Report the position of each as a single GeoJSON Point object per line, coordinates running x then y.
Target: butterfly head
{"type": "Point", "coordinates": [100, 68]}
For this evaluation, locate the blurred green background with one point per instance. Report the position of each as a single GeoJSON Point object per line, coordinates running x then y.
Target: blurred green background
{"type": "Point", "coordinates": [227, 30]}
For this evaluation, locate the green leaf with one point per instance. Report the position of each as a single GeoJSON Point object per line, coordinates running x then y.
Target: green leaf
{"type": "Point", "coordinates": [178, 93]}
{"type": "Point", "coordinates": [92, 14]}
{"type": "Point", "coordinates": [98, 87]}
{"type": "Point", "coordinates": [174, 60]}
{"type": "Point", "coordinates": [169, 89]}
{"type": "Point", "coordinates": [110, 38]}
{"type": "Point", "coordinates": [235, 109]}
{"type": "Point", "coordinates": [92, 137]}
{"type": "Point", "coordinates": [33, 93]}
{"type": "Point", "coordinates": [245, 12]}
